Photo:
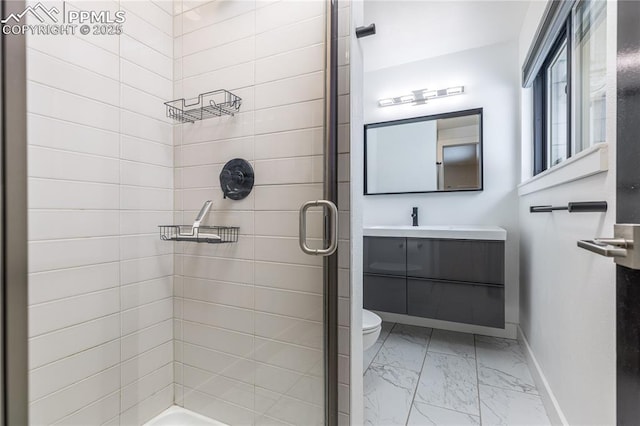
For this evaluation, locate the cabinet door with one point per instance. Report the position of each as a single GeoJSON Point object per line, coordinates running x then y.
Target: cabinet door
{"type": "Point", "coordinates": [457, 260]}
{"type": "Point", "coordinates": [383, 255]}
{"type": "Point", "coordinates": [459, 302]}
{"type": "Point", "coordinates": [385, 293]}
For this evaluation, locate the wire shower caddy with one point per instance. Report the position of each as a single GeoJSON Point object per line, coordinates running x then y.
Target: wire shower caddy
{"type": "Point", "coordinates": [207, 105]}
{"type": "Point", "coordinates": [198, 233]}
{"type": "Point", "coordinates": [203, 234]}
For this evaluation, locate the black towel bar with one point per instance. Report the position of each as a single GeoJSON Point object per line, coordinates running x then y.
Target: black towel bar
{"type": "Point", "coordinates": [577, 207]}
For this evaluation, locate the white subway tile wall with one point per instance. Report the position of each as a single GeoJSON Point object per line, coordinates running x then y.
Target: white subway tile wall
{"type": "Point", "coordinates": [344, 178]}
{"type": "Point", "coordinates": [239, 337]}
{"type": "Point", "coordinates": [248, 316]}
{"type": "Point", "coordinates": [100, 181]}
{"type": "Point", "coordinates": [122, 325]}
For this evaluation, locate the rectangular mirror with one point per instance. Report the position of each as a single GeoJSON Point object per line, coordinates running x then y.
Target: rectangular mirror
{"type": "Point", "coordinates": [436, 153]}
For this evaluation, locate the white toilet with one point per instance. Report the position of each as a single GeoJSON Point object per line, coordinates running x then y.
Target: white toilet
{"type": "Point", "coordinates": [371, 326]}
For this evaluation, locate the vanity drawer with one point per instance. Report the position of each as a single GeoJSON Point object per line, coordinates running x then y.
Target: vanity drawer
{"type": "Point", "coordinates": [453, 301]}
{"type": "Point", "coordinates": [385, 293]}
{"type": "Point", "coordinates": [457, 260]}
{"type": "Point", "coordinates": [387, 256]}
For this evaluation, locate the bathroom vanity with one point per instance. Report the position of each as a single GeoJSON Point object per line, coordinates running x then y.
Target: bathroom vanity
{"type": "Point", "coordinates": [450, 273]}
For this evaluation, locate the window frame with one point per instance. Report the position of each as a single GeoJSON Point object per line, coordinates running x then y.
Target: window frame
{"type": "Point", "coordinates": [541, 139]}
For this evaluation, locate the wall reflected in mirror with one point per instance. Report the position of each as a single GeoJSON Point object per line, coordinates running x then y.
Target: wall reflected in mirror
{"type": "Point", "coordinates": [434, 153]}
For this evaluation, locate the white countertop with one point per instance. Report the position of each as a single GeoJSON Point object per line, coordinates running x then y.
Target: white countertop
{"type": "Point", "coordinates": [457, 232]}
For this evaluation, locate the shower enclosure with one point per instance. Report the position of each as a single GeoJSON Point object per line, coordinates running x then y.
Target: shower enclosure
{"type": "Point", "coordinates": [237, 324]}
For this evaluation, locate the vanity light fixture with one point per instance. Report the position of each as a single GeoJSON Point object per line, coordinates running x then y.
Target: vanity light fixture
{"type": "Point", "coordinates": [428, 94]}
{"type": "Point", "coordinates": [420, 97]}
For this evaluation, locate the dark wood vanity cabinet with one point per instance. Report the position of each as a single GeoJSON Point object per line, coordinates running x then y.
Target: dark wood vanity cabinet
{"type": "Point", "coordinates": [445, 279]}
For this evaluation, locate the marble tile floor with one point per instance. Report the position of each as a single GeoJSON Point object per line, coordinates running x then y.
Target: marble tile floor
{"type": "Point", "coordinates": [419, 376]}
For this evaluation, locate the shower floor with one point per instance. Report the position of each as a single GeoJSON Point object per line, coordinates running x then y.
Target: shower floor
{"type": "Point", "coordinates": [178, 416]}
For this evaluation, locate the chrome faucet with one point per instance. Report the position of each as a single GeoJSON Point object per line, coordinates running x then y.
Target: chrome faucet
{"type": "Point", "coordinates": [414, 216]}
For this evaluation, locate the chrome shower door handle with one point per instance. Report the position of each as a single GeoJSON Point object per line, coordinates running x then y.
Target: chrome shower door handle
{"type": "Point", "coordinates": [333, 228]}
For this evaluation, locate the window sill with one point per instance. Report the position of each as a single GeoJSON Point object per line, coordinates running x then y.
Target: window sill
{"type": "Point", "coordinates": [589, 162]}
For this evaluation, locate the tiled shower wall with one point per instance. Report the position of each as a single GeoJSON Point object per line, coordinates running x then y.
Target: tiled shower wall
{"type": "Point", "coordinates": [100, 180]}
{"type": "Point", "coordinates": [248, 316]}
{"type": "Point", "coordinates": [344, 195]}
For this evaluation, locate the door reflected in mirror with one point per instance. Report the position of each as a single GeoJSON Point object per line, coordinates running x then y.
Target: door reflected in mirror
{"type": "Point", "coordinates": [434, 153]}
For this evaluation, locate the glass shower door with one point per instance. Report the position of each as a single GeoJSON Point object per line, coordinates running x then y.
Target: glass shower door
{"type": "Point", "coordinates": [251, 315]}
{"type": "Point", "coordinates": [225, 317]}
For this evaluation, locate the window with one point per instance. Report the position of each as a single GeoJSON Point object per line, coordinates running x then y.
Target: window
{"type": "Point", "coordinates": [590, 47]}
{"type": "Point", "coordinates": [557, 106]}
{"type": "Point", "coordinates": [569, 89]}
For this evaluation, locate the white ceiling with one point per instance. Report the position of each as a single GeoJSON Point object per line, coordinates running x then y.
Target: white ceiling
{"type": "Point", "coordinates": [408, 31]}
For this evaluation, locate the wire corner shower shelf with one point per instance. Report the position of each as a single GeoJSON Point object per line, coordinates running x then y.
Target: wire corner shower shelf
{"type": "Point", "coordinates": [202, 234]}
{"type": "Point", "coordinates": [198, 233]}
{"type": "Point", "coordinates": [207, 105]}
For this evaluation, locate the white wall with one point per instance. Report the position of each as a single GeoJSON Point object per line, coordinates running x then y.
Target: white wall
{"type": "Point", "coordinates": [409, 30]}
{"type": "Point", "coordinates": [567, 309]}
{"type": "Point", "coordinates": [490, 76]}
{"type": "Point", "coordinates": [100, 181]}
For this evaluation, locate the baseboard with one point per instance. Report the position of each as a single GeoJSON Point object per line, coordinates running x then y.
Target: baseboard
{"type": "Point", "coordinates": [554, 412]}
{"type": "Point", "coordinates": [510, 330]}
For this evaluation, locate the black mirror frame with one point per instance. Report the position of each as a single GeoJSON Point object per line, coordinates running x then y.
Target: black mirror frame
{"type": "Point", "coordinates": [474, 111]}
